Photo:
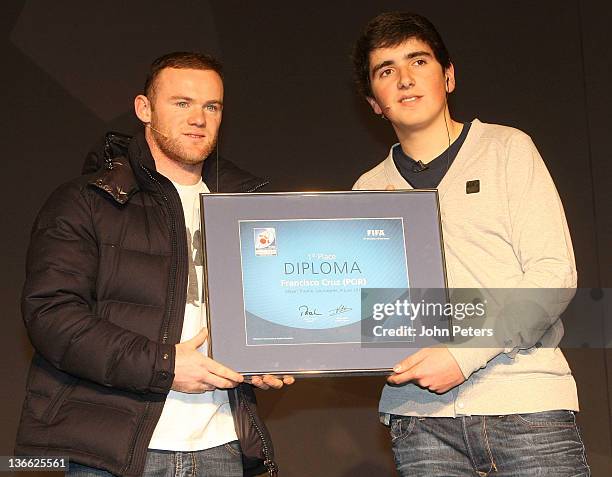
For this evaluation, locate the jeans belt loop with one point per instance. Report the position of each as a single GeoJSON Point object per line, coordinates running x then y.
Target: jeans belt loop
{"type": "Point", "coordinates": [385, 418]}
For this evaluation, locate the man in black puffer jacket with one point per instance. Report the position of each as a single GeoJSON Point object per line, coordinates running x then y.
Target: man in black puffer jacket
{"type": "Point", "coordinates": [112, 302]}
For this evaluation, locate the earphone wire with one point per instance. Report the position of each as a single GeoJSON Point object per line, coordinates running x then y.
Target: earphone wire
{"type": "Point", "coordinates": [447, 131]}
{"type": "Point", "coordinates": [217, 162]}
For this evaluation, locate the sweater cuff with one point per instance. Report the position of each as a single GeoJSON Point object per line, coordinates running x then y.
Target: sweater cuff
{"type": "Point", "coordinates": [471, 360]}
{"type": "Point", "coordinates": [163, 372]}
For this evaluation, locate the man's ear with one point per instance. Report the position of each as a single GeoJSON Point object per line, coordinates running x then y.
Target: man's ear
{"type": "Point", "coordinates": [375, 106]}
{"type": "Point", "coordinates": [142, 107]}
{"type": "Point", "coordinates": [449, 74]}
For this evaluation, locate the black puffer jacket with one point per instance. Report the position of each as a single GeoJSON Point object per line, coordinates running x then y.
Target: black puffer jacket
{"type": "Point", "coordinates": [103, 304]}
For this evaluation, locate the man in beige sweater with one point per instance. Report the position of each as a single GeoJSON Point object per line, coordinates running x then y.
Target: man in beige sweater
{"type": "Point", "coordinates": [504, 410]}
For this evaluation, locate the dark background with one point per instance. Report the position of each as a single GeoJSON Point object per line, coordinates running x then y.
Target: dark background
{"type": "Point", "coordinates": [70, 71]}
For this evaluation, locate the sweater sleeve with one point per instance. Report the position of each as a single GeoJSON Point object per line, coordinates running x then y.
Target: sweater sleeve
{"type": "Point", "coordinates": [540, 239]}
{"type": "Point", "coordinates": [59, 304]}
{"type": "Point", "coordinates": [540, 235]}
{"type": "Point", "coordinates": [543, 246]}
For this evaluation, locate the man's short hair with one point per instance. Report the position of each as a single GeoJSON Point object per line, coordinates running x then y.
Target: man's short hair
{"type": "Point", "coordinates": [388, 30]}
{"type": "Point", "coordinates": [180, 60]}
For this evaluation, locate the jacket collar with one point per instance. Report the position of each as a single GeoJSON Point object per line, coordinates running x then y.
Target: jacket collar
{"type": "Point", "coordinates": [116, 179]}
{"type": "Point", "coordinates": [123, 176]}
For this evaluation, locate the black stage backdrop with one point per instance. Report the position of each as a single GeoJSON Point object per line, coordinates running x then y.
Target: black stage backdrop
{"type": "Point", "coordinates": [70, 72]}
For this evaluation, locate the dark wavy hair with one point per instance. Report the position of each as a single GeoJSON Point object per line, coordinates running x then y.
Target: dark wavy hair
{"type": "Point", "coordinates": [388, 30]}
{"type": "Point", "coordinates": [180, 60]}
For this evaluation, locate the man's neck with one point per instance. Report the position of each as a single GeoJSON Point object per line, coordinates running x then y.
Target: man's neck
{"type": "Point", "coordinates": [425, 144]}
{"type": "Point", "coordinates": [184, 174]}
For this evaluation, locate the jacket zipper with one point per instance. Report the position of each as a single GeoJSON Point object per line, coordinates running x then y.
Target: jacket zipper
{"type": "Point", "coordinates": [173, 269]}
{"type": "Point", "coordinates": [253, 189]}
{"type": "Point", "coordinates": [138, 428]}
{"type": "Point", "coordinates": [167, 321]}
{"type": "Point", "coordinates": [268, 462]}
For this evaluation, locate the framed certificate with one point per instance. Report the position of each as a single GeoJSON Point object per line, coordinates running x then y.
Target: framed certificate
{"type": "Point", "coordinates": [293, 280]}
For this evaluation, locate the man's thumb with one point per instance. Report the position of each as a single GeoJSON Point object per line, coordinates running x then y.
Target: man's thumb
{"type": "Point", "coordinates": [199, 339]}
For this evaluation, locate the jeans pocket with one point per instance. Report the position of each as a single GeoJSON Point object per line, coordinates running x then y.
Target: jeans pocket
{"type": "Point", "coordinates": [560, 418]}
{"type": "Point", "coordinates": [233, 448]}
{"type": "Point", "coordinates": [400, 427]}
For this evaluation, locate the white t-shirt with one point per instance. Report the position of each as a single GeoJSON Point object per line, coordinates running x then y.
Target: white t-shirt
{"type": "Point", "coordinates": [191, 422]}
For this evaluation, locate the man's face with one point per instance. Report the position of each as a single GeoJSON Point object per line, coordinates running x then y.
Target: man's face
{"type": "Point", "coordinates": [409, 85]}
{"type": "Point", "coordinates": [186, 110]}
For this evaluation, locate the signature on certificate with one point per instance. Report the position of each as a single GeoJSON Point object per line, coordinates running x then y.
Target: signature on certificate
{"type": "Point", "coordinates": [305, 311]}
{"type": "Point", "coordinates": [338, 310]}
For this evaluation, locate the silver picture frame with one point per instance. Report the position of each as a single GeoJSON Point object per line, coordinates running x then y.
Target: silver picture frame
{"type": "Point", "coordinates": [224, 283]}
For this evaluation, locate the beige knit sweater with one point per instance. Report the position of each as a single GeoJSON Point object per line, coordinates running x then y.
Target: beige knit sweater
{"type": "Point", "coordinates": [512, 234]}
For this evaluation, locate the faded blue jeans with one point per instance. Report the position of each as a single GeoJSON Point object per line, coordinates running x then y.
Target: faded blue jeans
{"type": "Point", "coordinates": [221, 461]}
{"type": "Point", "coordinates": [527, 445]}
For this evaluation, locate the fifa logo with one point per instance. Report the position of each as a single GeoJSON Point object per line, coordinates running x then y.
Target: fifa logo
{"type": "Point", "coordinates": [376, 233]}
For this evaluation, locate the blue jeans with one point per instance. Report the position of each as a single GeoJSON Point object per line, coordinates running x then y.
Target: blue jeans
{"type": "Point", "coordinates": [221, 461]}
{"type": "Point", "coordinates": [538, 444]}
